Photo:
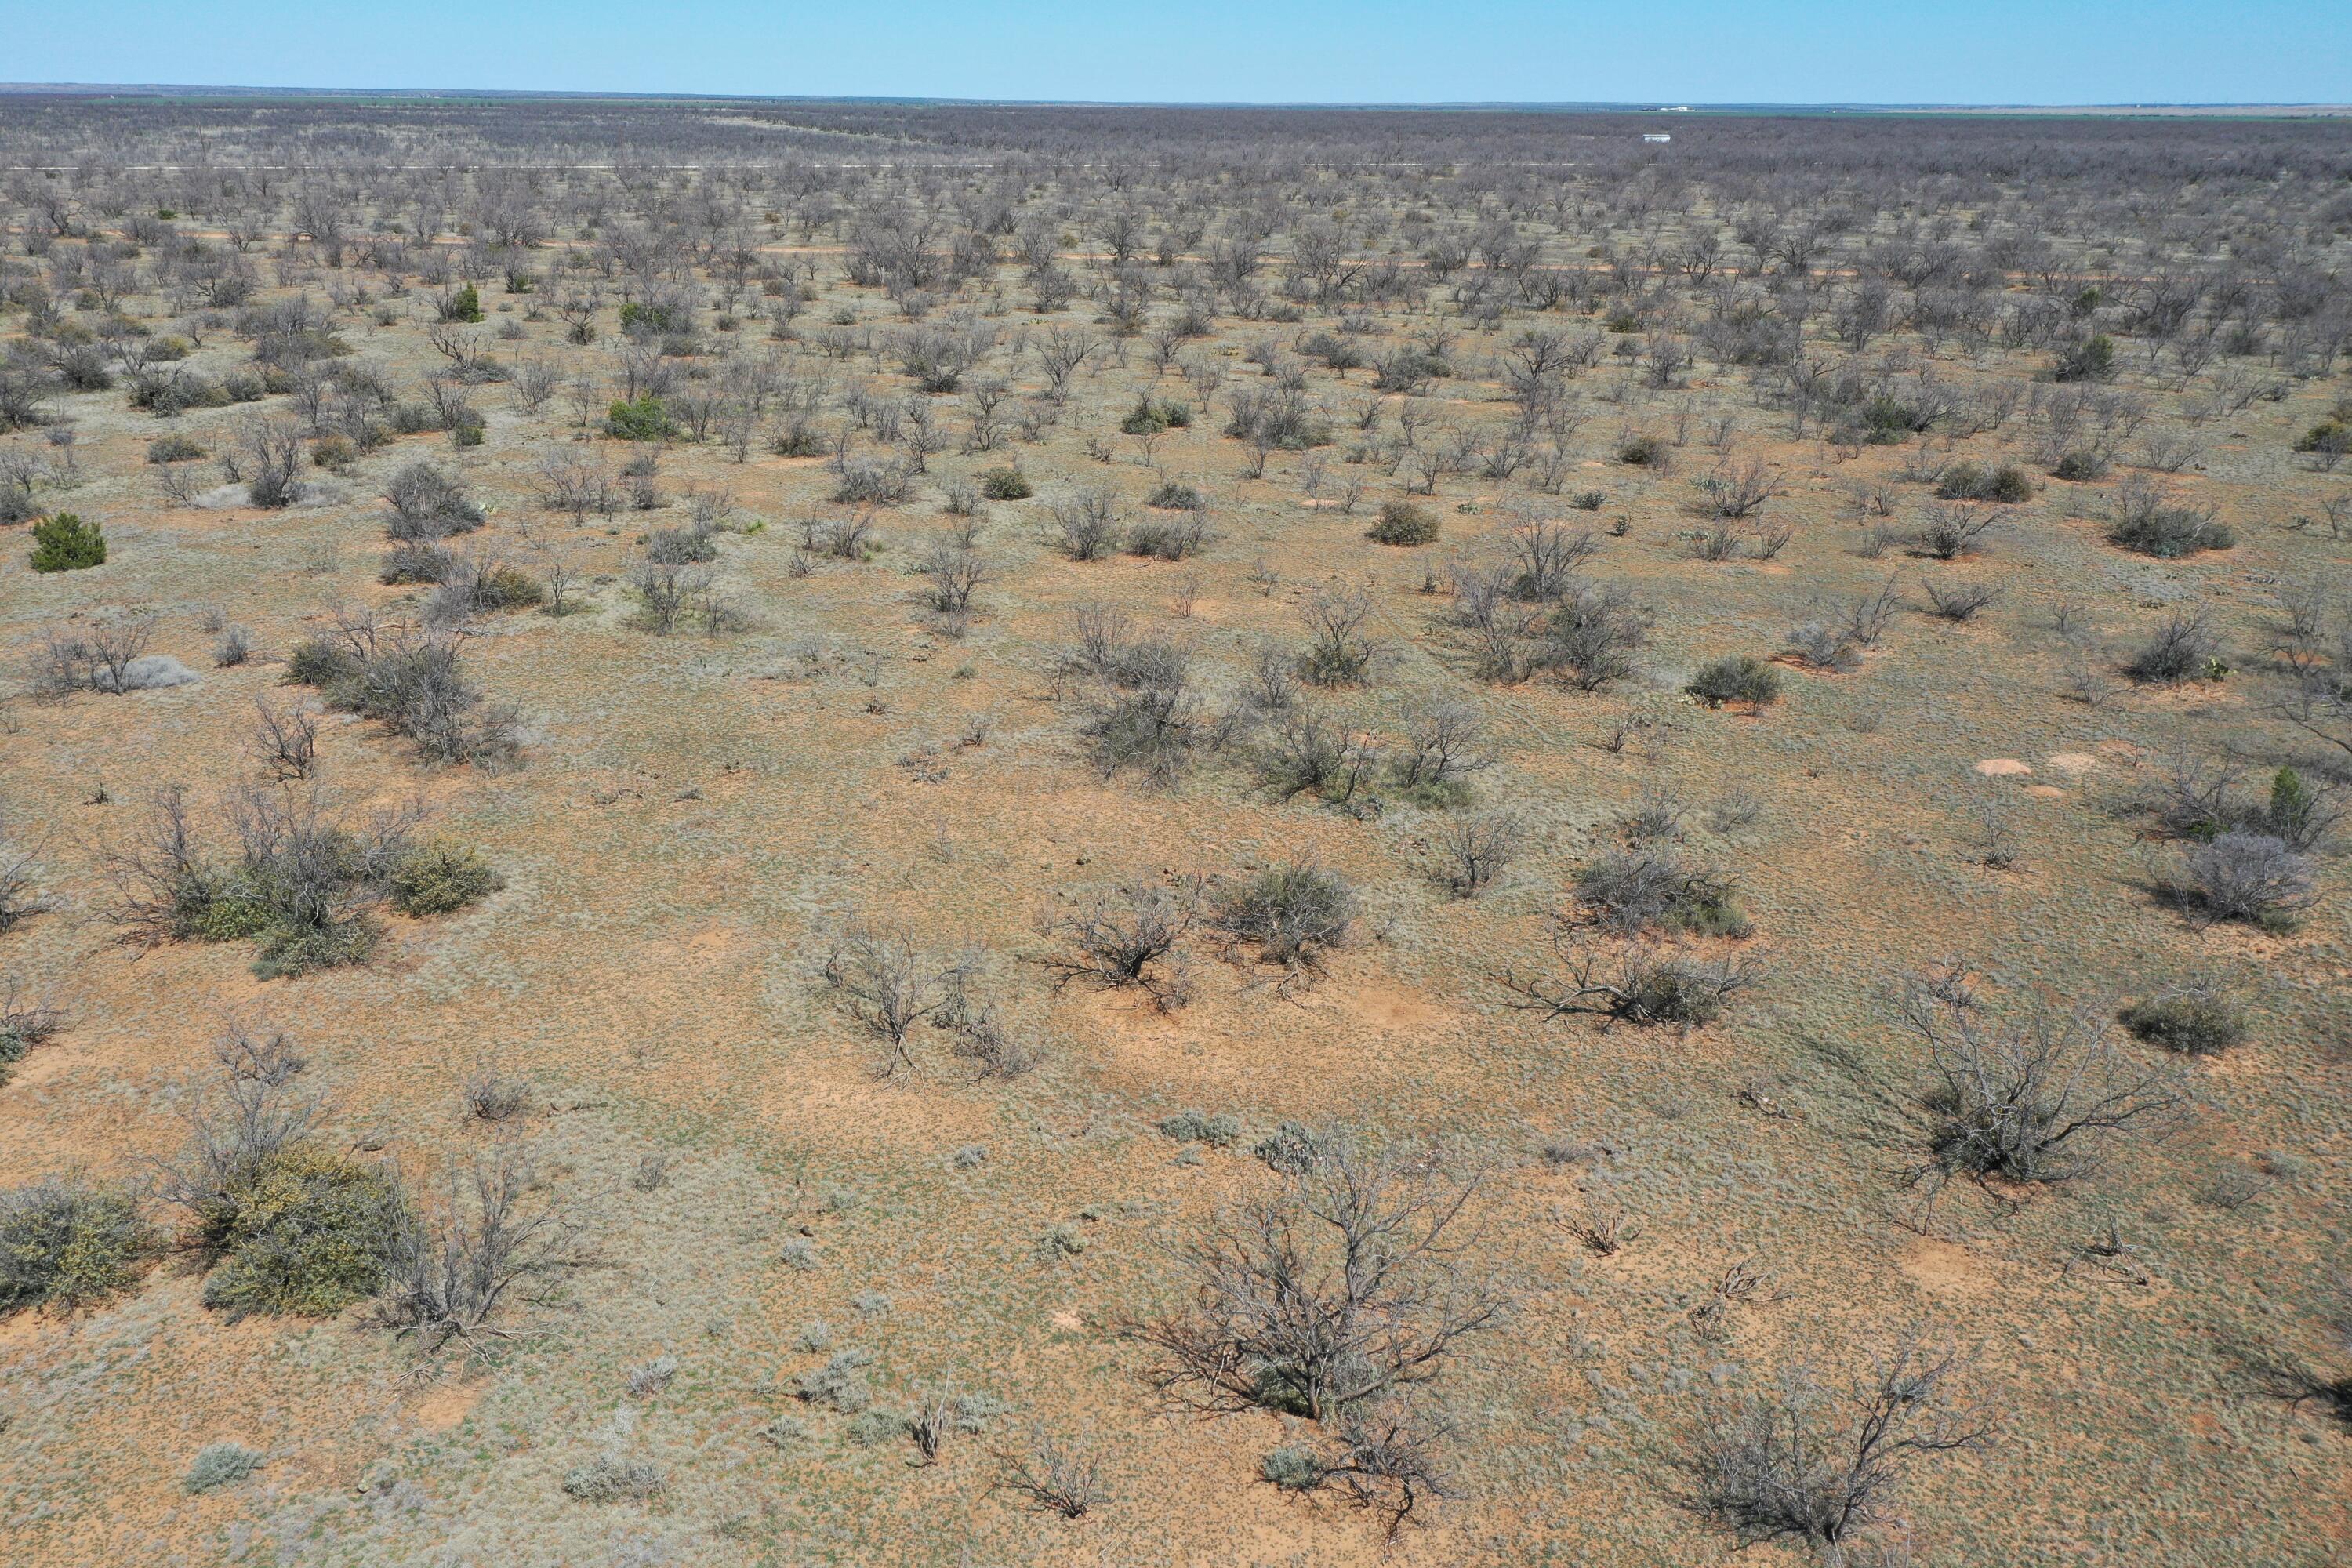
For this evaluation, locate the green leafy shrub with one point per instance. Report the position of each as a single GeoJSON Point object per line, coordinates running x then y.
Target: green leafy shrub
{"type": "Point", "coordinates": [65, 543]}
{"type": "Point", "coordinates": [1175, 496]}
{"type": "Point", "coordinates": [1739, 678]}
{"type": "Point", "coordinates": [219, 1464]}
{"type": "Point", "coordinates": [1149, 418]}
{"type": "Point", "coordinates": [1974, 482]}
{"type": "Point", "coordinates": [466, 305]}
{"type": "Point", "coordinates": [640, 418]}
{"type": "Point", "coordinates": [436, 879]}
{"type": "Point", "coordinates": [1887, 422]}
{"type": "Point", "coordinates": [2093, 359]}
{"type": "Point", "coordinates": [1633, 890]}
{"type": "Point", "coordinates": [306, 1233]}
{"type": "Point", "coordinates": [1642, 451]}
{"type": "Point", "coordinates": [2195, 1021]}
{"type": "Point", "coordinates": [64, 1245]}
{"type": "Point", "coordinates": [2329, 438]}
{"type": "Point", "coordinates": [1295, 912]}
{"type": "Point", "coordinates": [1403, 522]}
{"type": "Point", "coordinates": [608, 1479]}
{"type": "Point", "coordinates": [1005, 484]}
{"type": "Point", "coordinates": [1218, 1131]}
{"type": "Point", "coordinates": [173, 448]}
{"type": "Point", "coordinates": [2080, 467]}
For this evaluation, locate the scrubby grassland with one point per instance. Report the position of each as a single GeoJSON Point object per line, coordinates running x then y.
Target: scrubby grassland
{"type": "Point", "coordinates": [791, 833]}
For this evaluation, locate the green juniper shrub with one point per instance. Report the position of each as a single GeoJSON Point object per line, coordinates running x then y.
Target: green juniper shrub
{"type": "Point", "coordinates": [466, 306]}
{"type": "Point", "coordinates": [640, 418]}
{"type": "Point", "coordinates": [1642, 452]}
{"type": "Point", "coordinates": [1738, 678]}
{"type": "Point", "coordinates": [2194, 1020]}
{"type": "Point", "coordinates": [65, 543]}
{"type": "Point", "coordinates": [1175, 496]}
{"type": "Point", "coordinates": [64, 1245]}
{"type": "Point", "coordinates": [2328, 438]}
{"type": "Point", "coordinates": [436, 879]}
{"type": "Point", "coordinates": [1403, 522]}
{"type": "Point", "coordinates": [1005, 484]}
{"type": "Point", "coordinates": [1887, 422]}
{"type": "Point", "coordinates": [173, 448]}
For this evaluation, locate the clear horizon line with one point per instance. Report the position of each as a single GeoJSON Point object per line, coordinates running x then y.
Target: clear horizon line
{"type": "Point", "coordinates": [1621, 105]}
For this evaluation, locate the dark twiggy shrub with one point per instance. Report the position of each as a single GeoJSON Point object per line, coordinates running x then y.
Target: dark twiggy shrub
{"type": "Point", "coordinates": [1294, 913]}
{"type": "Point", "coordinates": [1127, 936]}
{"type": "Point", "coordinates": [1630, 891]}
{"type": "Point", "coordinates": [492, 1240]}
{"type": "Point", "coordinates": [1799, 1463]}
{"type": "Point", "coordinates": [889, 987]}
{"type": "Point", "coordinates": [2184, 646]}
{"type": "Point", "coordinates": [2255, 878]}
{"type": "Point", "coordinates": [1350, 1282]}
{"type": "Point", "coordinates": [2032, 1099]}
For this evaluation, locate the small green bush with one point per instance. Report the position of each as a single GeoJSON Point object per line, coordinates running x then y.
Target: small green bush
{"type": "Point", "coordinates": [1403, 522]}
{"type": "Point", "coordinates": [1174, 496]}
{"type": "Point", "coordinates": [219, 1464]}
{"type": "Point", "coordinates": [2195, 1021]}
{"type": "Point", "coordinates": [1974, 482]}
{"type": "Point", "coordinates": [1642, 451]}
{"type": "Point", "coordinates": [874, 1428]}
{"type": "Point", "coordinates": [1293, 1467]}
{"type": "Point", "coordinates": [2093, 359]}
{"type": "Point", "coordinates": [1218, 1131]}
{"type": "Point", "coordinates": [436, 879]}
{"type": "Point", "coordinates": [2329, 437]}
{"type": "Point", "coordinates": [289, 950]}
{"type": "Point", "coordinates": [65, 543]}
{"type": "Point", "coordinates": [1739, 678]}
{"type": "Point", "coordinates": [173, 448]}
{"type": "Point", "coordinates": [64, 1245]}
{"type": "Point", "coordinates": [1149, 419]}
{"type": "Point", "coordinates": [607, 1480]}
{"type": "Point", "coordinates": [1005, 484]}
{"type": "Point", "coordinates": [640, 418]}
{"type": "Point", "coordinates": [1295, 912]}
{"type": "Point", "coordinates": [307, 1232]}
{"type": "Point", "coordinates": [2079, 467]}
{"type": "Point", "coordinates": [466, 306]}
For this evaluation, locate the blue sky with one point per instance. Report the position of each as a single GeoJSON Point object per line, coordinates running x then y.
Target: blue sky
{"type": "Point", "coordinates": [1670, 51]}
